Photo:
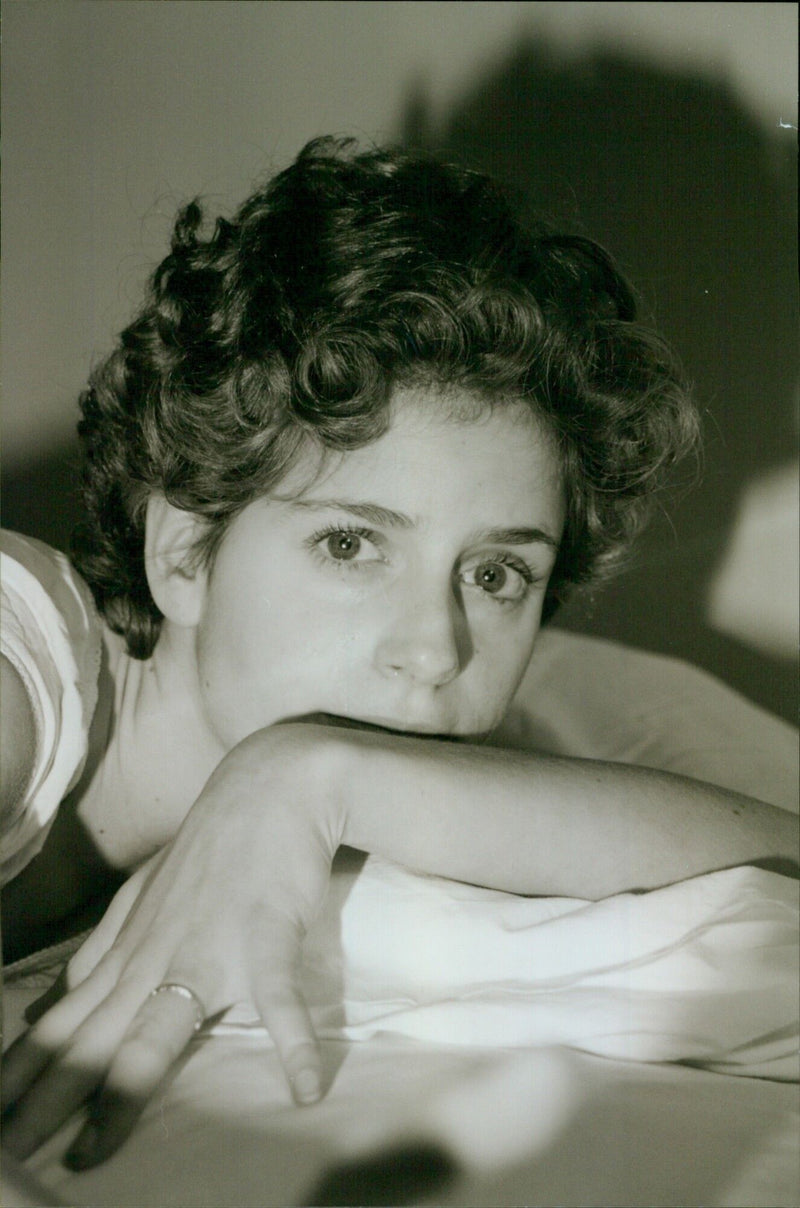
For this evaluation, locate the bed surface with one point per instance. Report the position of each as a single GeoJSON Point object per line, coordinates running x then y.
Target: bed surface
{"type": "Point", "coordinates": [538, 1065]}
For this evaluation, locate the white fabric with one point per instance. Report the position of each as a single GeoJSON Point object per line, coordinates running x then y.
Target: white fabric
{"type": "Point", "coordinates": [703, 971]}
{"type": "Point", "coordinates": [533, 1127]}
{"type": "Point", "coordinates": [50, 631]}
{"type": "Point", "coordinates": [589, 698]}
{"type": "Point", "coordinates": [472, 1020]}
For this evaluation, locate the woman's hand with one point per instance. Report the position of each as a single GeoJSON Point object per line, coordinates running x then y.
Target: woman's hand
{"type": "Point", "coordinates": [221, 911]}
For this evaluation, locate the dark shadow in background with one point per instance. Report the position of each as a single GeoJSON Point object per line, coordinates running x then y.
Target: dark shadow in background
{"type": "Point", "coordinates": [699, 207]}
{"type": "Point", "coordinates": [42, 498]}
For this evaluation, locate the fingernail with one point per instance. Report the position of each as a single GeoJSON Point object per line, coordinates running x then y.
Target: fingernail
{"type": "Point", "coordinates": [84, 1150]}
{"type": "Point", "coordinates": [306, 1086]}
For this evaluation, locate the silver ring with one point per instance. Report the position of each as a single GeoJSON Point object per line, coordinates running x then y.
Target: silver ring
{"type": "Point", "coordinates": [190, 996]}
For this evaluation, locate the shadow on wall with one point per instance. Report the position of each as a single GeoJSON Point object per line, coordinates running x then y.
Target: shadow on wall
{"type": "Point", "coordinates": [42, 498]}
{"type": "Point", "coordinates": [671, 175]}
{"type": "Point", "coordinates": [698, 206]}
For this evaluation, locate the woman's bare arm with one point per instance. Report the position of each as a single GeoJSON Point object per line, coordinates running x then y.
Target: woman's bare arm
{"type": "Point", "coordinates": [224, 908]}
{"type": "Point", "coordinates": [544, 825]}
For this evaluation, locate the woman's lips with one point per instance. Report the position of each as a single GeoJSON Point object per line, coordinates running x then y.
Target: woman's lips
{"type": "Point", "coordinates": [379, 724]}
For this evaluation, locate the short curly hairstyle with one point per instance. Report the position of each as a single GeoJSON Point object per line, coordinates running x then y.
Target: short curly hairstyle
{"type": "Point", "coordinates": [350, 274]}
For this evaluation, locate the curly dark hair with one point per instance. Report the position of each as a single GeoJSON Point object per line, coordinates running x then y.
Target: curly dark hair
{"type": "Point", "coordinates": [350, 274]}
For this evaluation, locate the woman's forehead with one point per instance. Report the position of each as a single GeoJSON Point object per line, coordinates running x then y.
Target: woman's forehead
{"type": "Point", "coordinates": [415, 402]}
{"type": "Point", "coordinates": [440, 452]}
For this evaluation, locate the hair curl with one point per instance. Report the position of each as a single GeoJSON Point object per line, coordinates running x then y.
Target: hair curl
{"type": "Point", "coordinates": [350, 274]}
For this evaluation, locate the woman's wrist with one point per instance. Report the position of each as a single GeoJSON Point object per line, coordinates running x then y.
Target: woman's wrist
{"type": "Point", "coordinates": [296, 766]}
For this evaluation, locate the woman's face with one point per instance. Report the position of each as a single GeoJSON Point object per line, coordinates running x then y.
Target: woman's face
{"type": "Point", "coordinates": [403, 588]}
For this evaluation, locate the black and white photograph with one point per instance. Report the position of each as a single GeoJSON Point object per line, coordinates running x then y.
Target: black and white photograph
{"type": "Point", "coordinates": [400, 568]}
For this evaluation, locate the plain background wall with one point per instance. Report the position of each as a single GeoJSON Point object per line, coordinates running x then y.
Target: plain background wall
{"type": "Point", "coordinates": [116, 111]}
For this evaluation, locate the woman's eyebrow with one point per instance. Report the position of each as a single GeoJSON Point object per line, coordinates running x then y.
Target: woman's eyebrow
{"type": "Point", "coordinates": [517, 536]}
{"type": "Point", "coordinates": [373, 513]}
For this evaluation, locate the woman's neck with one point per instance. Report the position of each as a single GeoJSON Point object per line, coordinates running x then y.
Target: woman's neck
{"type": "Point", "coordinates": [151, 751]}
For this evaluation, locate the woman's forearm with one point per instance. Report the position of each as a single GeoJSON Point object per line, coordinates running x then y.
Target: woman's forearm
{"type": "Point", "coordinates": [541, 825]}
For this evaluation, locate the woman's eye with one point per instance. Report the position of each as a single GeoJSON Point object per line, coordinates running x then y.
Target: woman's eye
{"type": "Point", "coordinates": [345, 546]}
{"type": "Point", "coordinates": [501, 580]}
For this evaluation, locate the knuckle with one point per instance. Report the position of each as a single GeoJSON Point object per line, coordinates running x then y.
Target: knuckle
{"type": "Point", "coordinates": [54, 1030]}
{"type": "Point", "coordinates": [80, 966]}
{"type": "Point", "coordinates": [89, 1048]}
{"type": "Point", "coordinates": [45, 1034]}
{"type": "Point", "coordinates": [76, 1070]}
{"type": "Point", "coordinates": [276, 925]}
{"type": "Point", "coordinates": [142, 1061]}
{"type": "Point", "coordinates": [105, 972]}
{"type": "Point", "coordinates": [161, 1034]}
{"type": "Point", "coordinates": [281, 998]}
{"type": "Point", "coordinates": [76, 1064]}
{"type": "Point", "coordinates": [298, 1054]}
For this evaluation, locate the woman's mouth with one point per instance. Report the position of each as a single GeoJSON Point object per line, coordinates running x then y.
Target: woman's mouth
{"type": "Point", "coordinates": [377, 724]}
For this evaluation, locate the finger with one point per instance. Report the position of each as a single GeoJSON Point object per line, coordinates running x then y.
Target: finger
{"type": "Point", "coordinates": [69, 1073]}
{"type": "Point", "coordinates": [158, 1035]}
{"type": "Point", "coordinates": [48, 1104]}
{"type": "Point", "coordinates": [40, 1006]}
{"type": "Point", "coordinates": [32, 1052]}
{"type": "Point", "coordinates": [286, 1017]}
{"type": "Point", "coordinates": [289, 1024]}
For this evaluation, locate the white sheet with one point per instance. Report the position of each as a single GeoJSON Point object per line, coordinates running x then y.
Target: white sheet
{"type": "Point", "coordinates": [535, 1127]}
{"type": "Point", "coordinates": [705, 970]}
{"type": "Point", "coordinates": [517, 1035]}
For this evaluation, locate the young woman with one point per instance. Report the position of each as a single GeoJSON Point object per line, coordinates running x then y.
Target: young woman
{"type": "Point", "coordinates": [353, 451]}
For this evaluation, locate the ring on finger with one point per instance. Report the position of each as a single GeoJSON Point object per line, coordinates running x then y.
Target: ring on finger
{"type": "Point", "coordinates": [200, 1013]}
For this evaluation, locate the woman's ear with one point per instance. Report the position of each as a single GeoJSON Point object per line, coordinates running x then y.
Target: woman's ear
{"type": "Point", "coordinates": [177, 580]}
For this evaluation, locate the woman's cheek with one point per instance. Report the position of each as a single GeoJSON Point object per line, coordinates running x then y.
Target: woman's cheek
{"type": "Point", "coordinates": [502, 665]}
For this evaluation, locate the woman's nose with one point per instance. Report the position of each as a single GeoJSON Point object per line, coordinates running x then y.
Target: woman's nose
{"type": "Point", "coordinates": [427, 639]}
